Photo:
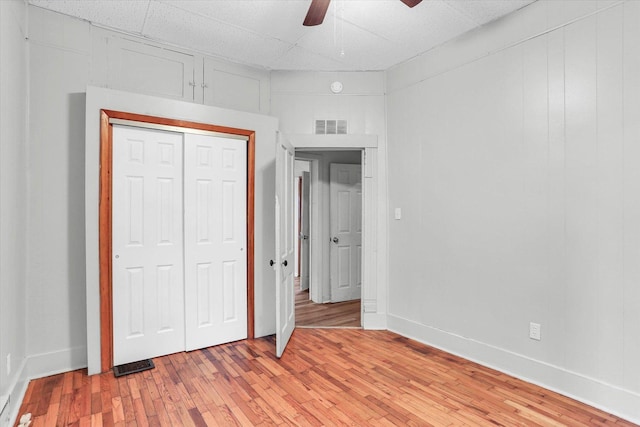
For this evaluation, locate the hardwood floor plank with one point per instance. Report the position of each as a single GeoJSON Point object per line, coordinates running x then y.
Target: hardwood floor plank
{"type": "Point", "coordinates": [325, 377]}
{"type": "Point", "coordinates": [52, 414]}
{"type": "Point", "coordinates": [197, 418]}
{"type": "Point", "coordinates": [117, 410]}
{"type": "Point", "coordinates": [63, 409]}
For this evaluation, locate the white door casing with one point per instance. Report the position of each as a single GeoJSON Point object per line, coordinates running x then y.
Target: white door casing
{"type": "Point", "coordinates": [305, 230]}
{"type": "Point", "coordinates": [215, 231]}
{"type": "Point", "coordinates": [285, 240]}
{"type": "Point", "coordinates": [147, 244]}
{"type": "Point", "coordinates": [345, 189]}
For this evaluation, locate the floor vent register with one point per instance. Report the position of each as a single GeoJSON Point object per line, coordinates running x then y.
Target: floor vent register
{"type": "Point", "coordinates": [133, 367]}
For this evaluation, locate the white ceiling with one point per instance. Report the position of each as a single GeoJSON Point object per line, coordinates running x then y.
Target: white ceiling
{"type": "Point", "coordinates": [373, 34]}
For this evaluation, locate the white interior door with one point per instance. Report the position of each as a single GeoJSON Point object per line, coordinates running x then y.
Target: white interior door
{"type": "Point", "coordinates": [215, 240]}
{"type": "Point", "coordinates": [285, 240]}
{"type": "Point", "coordinates": [345, 188]}
{"type": "Point", "coordinates": [304, 231]}
{"type": "Point", "coordinates": [147, 244]}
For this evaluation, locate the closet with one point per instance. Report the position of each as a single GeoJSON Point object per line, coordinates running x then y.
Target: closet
{"type": "Point", "coordinates": [179, 240]}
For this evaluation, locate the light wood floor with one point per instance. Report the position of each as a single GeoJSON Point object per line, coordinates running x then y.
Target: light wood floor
{"type": "Point", "coordinates": [341, 314]}
{"type": "Point", "coordinates": [326, 377]}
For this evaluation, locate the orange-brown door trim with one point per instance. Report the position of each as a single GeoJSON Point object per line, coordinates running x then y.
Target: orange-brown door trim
{"type": "Point", "coordinates": [105, 197]}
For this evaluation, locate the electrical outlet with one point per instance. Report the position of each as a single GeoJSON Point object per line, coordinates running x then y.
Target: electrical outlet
{"type": "Point", "coordinates": [8, 364]}
{"type": "Point", "coordinates": [534, 331]}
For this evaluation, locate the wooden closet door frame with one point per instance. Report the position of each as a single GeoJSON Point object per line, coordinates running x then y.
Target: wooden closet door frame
{"type": "Point", "coordinates": [105, 225]}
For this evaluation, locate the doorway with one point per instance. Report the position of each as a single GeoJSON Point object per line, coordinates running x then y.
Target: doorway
{"type": "Point", "coordinates": [318, 266]}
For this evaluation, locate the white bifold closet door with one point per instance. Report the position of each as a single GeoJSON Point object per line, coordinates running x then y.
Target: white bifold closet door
{"type": "Point", "coordinates": [178, 242]}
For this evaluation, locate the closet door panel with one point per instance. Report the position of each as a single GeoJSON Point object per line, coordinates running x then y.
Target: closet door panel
{"type": "Point", "coordinates": [147, 244]}
{"type": "Point", "coordinates": [215, 240]}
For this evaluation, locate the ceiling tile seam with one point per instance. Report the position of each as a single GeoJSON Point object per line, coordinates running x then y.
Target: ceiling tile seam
{"type": "Point", "coordinates": [462, 13]}
{"type": "Point", "coordinates": [336, 60]}
{"type": "Point", "coordinates": [275, 60]}
{"type": "Point", "coordinates": [146, 16]}
{"type": "Point", "coordinates": [226, 24]}
{"type": "Point", "coordinates": [379, 67]}
{"type": "Point", "coordinates": [369, 31]}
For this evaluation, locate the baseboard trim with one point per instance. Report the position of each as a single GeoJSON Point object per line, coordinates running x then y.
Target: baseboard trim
{"type": "Point", "coordinates": [16, 391]}
{"type": "Point", "coordinates": [56, 362]}
{"type": "Point", "coordinates": [615, 400]}
{"type": "Point", "coordinates": [374, 321]}
{"type": "Point", "coordinates": [43, 365]}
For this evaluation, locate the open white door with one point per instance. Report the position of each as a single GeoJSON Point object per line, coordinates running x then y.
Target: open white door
{"type": "Point", "coordinates": [285, 241]}
{"type": "Point", "coordinates": [345, 188]}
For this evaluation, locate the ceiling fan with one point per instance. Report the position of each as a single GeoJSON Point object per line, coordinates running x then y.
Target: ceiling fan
{"type": "Point", "coordinates": [318, 10]}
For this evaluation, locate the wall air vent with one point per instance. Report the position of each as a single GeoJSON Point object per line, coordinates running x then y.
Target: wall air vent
{"type": "Point", "coordinates": [331, 127]}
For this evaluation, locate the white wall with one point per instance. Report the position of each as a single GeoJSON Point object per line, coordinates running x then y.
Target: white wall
{"type": "Point", "coordinates": [65, 56]}
{"type": "Point", "coordinates": [514, 153]}
{"type": "Point", "coordinates": [300, 98]}
{"type": "Point", "coordinates": [59, 55]}
{"type": "Point", "coordinates": [13, 202]}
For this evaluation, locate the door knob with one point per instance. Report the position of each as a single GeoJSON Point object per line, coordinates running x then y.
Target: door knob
{"type": "Point", "coordinates": [271, 263]}
{"type": "Point", "coordinates": [285, 263]}
{"type": "Point", "coordinates": [335, 240]}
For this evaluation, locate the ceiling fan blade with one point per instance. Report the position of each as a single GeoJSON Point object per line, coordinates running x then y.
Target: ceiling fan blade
{"type": "Point", "coordinates": [316, 13]}
{"type": "Point", "coordinates": [411, 3]}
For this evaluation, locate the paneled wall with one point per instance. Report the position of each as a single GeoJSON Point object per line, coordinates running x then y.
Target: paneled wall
{"type": "Point", "coordinates": [13, 203]}
{"type": "Point", "coordinates": [65, 56]}
{"type": "Point", "coordinates": [514, 153]}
